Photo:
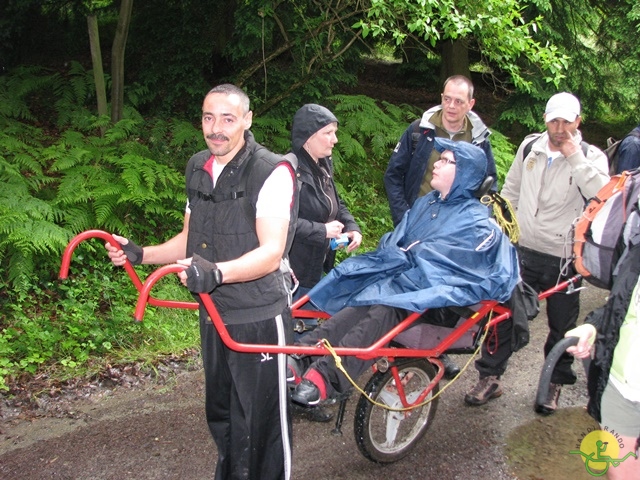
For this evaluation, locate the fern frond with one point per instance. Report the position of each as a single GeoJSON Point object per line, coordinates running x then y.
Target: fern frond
{"type": "Point", "coordinates": [117, 224]}
{"type": "Point", "coordinates": [12, 106]}
{"type": "Point", "coordinates": [73, 188]}
{"type": "Point", "coordinates": [27, 163]}
{"type": "Point", "coordinates": [273, 132]}
{"type": "Point", "coordinates": [99, 122]}
{"type": "Point", "coordinates": [108, 190]}
{"type": "Point", "coordinates": [8, 222]}
{"type": "Point", "coordinates": [81, 82]}
{"type": "Point", "coordinates": [77, 218]}
{"type": "Point", "coordinates": [104, 207]}
{"type": "Point", "coordinates": [39, 237]}
{"type": "Point", "coordinates": [121, 130]}
{"type": "Point", "coordinates": [15, 88]}
{"type": "Point", "coordinates": [184, 134]}
{"type": "Point", "coordinates": [19, 136]}
{"type": "Point", "coordinates": [21, 268]}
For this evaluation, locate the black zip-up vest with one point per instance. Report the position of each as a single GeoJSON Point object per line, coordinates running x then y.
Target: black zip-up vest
{"type": "Point", "coordinates": [222, 227]}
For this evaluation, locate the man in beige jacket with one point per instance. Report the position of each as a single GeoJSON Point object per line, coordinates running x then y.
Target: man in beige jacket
{"type": "Point", "coordinates": [552, 175]}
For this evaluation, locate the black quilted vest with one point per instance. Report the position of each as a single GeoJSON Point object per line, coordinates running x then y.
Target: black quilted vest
{"type": "Point", "coordinates": [222, 227]}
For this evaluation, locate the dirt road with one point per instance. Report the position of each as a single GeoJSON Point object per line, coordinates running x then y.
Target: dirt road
{"type": "Point", "coordinates": [158, 432]}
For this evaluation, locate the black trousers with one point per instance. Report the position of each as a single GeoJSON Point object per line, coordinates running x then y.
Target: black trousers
{"type": "Point", "coordinates": [351, 327]}
{"type": "Point", "coordinates": [541, 272]}
{"type": "Point", "coordinates": [247, 401]}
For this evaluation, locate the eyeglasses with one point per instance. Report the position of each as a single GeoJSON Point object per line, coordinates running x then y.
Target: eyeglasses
{"type": "Point", "coordinates": [446, 160]}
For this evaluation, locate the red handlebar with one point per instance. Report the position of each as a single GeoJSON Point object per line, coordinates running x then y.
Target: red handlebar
{"type": "Point", "coordinates": [107, 237]}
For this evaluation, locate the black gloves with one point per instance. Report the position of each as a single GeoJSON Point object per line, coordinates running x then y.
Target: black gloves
{"type": "Point", "coordinates": [202, 276]}
{"type": "Point", "coordinates": [133, 252]}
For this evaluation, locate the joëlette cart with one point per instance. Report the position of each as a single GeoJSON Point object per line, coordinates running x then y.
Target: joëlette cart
{"type": "Point", "coordinates": [400, 398]}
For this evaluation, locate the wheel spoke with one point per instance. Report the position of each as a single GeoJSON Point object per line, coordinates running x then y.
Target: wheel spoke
{"type": "Point", "coordinates": [394, 419]}
{"type": "Point", "coordinates": [389, 398]}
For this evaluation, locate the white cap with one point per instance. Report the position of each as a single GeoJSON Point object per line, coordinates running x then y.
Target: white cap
{"type": "Point", "coordinates": [562, 105]}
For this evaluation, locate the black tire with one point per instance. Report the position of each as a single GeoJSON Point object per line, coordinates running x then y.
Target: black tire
{"type": "Point", "coordinates": [549, 364]}
{"type": "Point", "coordinates": [374, 426]}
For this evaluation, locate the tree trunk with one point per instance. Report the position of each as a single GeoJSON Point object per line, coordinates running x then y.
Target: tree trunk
{"type": "Point", "coordinates": [98, 72]}
{"type": "Point", "coordinates": [455, 59]}
{"type": "Point", "coordinates": [117, 60]}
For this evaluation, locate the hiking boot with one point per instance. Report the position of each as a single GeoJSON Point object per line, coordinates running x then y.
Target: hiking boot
{"type": "Point", "coordinates": [306, 393]}
{"type": "Point", "coordinates": [551, 403]}
{"type": "Point", "coordinates": [486, 389]}
{"type": "Point", "coordinates": [450, 367]}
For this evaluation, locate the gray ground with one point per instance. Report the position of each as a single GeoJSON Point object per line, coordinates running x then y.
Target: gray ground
{"type": "Point", "coordinates": [152, 431]}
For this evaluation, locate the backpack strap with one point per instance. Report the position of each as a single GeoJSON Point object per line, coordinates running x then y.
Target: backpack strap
{"type": "Point", "coordinates": [585, 249]}
{"type": "Point", "coordinates": [527, 148]}
{"type": "Point", "coordinates": [293, 160]}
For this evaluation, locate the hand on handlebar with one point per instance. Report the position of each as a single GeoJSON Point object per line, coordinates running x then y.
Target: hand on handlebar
{"type": "Point", "coordinates": [127, 250]}
{"type": "Point", "coordinates": [201, 276]}
{"type": "Point", "coordinates": [587, 335]}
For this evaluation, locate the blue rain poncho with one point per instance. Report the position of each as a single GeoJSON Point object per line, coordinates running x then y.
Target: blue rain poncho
{"type": "Point", "coordinates": [445, 252]}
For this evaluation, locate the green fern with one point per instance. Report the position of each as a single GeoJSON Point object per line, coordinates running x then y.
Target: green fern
{"type": "Point", "coordinates": [56, 187]}
{"type": "Point", "coordinates": [273, 132]}
{"type": "Point", "coordinates": [185, 136]}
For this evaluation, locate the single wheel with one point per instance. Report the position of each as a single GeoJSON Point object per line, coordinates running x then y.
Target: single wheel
{"type": "Point", "coordinates": [386, 436]}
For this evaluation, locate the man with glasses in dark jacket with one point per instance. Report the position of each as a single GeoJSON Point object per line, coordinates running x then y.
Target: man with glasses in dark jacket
{"type": "Point", "coordinates": [410, 168]}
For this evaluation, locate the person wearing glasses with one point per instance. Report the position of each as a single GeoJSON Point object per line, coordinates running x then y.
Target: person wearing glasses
{"type": "Point", "coordinates": [408, 175]}
{"type": "Point", "coordinates": [446, 251]}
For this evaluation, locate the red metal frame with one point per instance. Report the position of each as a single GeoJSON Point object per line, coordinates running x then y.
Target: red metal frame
{"type": "Point", "coordinates": [107, 237]}
{"type": "Point", "coordinates": [499, 313]}
{"type": "Point", "coordinates": [377, 349]}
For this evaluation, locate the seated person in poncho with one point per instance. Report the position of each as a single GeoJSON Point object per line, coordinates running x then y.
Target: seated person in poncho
{"type": "Point", "coordinates": [446, 251]}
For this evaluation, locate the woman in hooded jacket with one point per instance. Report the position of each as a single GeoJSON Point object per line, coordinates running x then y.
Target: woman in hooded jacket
{"type": "Point", "coordinates": [322, 215]}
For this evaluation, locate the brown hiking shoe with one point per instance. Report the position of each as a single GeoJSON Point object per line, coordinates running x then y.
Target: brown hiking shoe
{"type": "Point", "coordinates": [551, 403]}
{"type": "Point", "coordinates": [486, 389]}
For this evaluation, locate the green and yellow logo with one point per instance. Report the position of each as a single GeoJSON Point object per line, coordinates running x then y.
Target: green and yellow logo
{"type": "Point", "coordinates": [600, 450]}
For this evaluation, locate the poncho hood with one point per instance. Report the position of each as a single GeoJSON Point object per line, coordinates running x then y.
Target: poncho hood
{"type": "Point", "coordinates": [471, 167]}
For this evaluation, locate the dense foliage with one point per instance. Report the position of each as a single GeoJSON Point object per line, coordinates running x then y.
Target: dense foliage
{"type": "Point", "coordinates": [288, 53]}
{"type": "Point", "coordinates": [61, 177]}
{"type": "Point", "coordinates": [599, 39]}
